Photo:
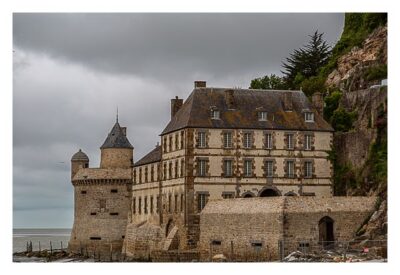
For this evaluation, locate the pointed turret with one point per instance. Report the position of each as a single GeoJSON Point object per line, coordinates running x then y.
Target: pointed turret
{"type": "Point", "coordinates": [79, 160]}
{"type": "Point", "coordinates": [116, 151]}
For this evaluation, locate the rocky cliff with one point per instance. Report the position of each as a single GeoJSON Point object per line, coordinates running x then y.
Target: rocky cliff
{"type": "Point", "coordinates": [360, 152]}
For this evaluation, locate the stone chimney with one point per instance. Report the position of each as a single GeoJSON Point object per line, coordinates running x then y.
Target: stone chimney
{"type": "Point", "coordinates": [318, 102]}
{"type": "Point", "coordinates": [287, 101]}
{"type": "Point", "coordinates": [230, 99]}
{"type": "Point", "coordinates": [176, 104]}
{"type": "Point", "coordinates": [123, 130]}
{"type": "Point", "coordinates": [200, 84]}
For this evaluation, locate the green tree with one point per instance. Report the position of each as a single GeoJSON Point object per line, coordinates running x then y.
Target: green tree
{"type": "Point", "coordinates": [271, 82]}
{"type": "Point", "coordinates": [306, 61]}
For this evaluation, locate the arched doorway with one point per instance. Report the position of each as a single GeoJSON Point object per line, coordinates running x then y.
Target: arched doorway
{"type": "Point", "coordinates": [326, 234]}
{"type": "Point", "coordinates": [248, 195]}
{"type": "Point", "coordinates": [269, 192]}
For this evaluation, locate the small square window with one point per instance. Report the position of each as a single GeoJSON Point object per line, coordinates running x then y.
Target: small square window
{"type": "Point", "coordinates": [114, 190]}
{"type": "Point", "coordinates": [309, 117]}
{"type": "Point", "coordinates": [214, 114]}
{"type": "Point", "coordinates": [262, 116]}
{"type": "Point", "coordinates": [83, 192]}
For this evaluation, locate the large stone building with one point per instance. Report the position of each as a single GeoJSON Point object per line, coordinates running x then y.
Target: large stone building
{"type": "Point", "coordinates": [219, 144]}
{"type": "Point", "coordinates": [228, 143]}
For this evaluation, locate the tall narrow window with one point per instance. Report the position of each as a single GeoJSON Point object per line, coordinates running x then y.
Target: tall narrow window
{"type": "Point", "coordinates": [182, 202]}
{"type": "Point", "coordinates": [228, 140]}
{"type": "Point", "coordinates": [158, 203]}
{"type": "Point", "coordinates": [169, 203]}
{"type": "Point", "coordinates": [176, 141]}
{"type": "Point", "coordinates": [307, 142]}
{"type": "Point", "coordinates": [269, 166]}
{"type": "Point", "coordinates": [176, 168]}
{"type": "Point", "coordinates": [290, 169]}
{"type": "Point", "coordinates": [268, 141]}
{"type": "Point", "coordinates": [134, 176]}
{"type": "Point", "coordinates": [140, 205]}
{"type": "Point", "coordinates": [201, 139]}
{"type": "Point", "coordinates": [170, 170]}
{"type": "Point", "coordinates": [165, 144]}
{"type": "Point", "coordinates": [228, 168]}
{"type": "Point", "coordinates": [165, 171]}
{"type": "Point", "coordinates": [247, 140]}
{"type": "Point", "coordinates": [248, 168]}
{"type": "Point", "coordinates": [309, 117]}
{"type": "Point", "coordinates": [146, 170]}
{"type": "Point", "coordinates": [308, 167]}
{"type": "Point", "coordinates": [289, 141]}
{"type": "Point", "coordinates": [201, 167]}
{"type": "Point", "coordinates": [182, 167]}
{"type": "Point", "coordinates": [151, 205]}
{"type": "Point", "coordinates": [145, 205]}
{"type": "Point", "coordinates": [140, 175]}
{"type": "Point", "coordinates": [182, 136]}
{"type": "Point", "coordinates": [152, 173]}
{"type": "Point", "coordinates": [201, 201]}
{"type": "Point", "coordinates": [176, 204]}
{"type": "Point", "coordinates": [170, 144]}
{"type": "Point", "coordinates": [134, 205]}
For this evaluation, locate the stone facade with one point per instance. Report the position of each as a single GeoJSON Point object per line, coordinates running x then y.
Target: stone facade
{"type": "Point", "coordinates": [102, 196]}
{"type": "Point", "coordinates": [259, 228]}
{"type": "Point", "coordinates": [171, 189]}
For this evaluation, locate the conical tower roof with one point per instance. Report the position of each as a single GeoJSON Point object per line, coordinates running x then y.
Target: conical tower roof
{"type": "Point", "coordinates": [80, 156]}
{"type": "Point", "coordinates": [116, 138]}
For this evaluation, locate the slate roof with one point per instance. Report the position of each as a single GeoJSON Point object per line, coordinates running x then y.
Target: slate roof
{"type": "Point", "coordinates": [153, 156]}
{"type": "Point", "coordinates": [116, 139]}
{"type": "Point", "coordinates": [80, 156]}
{"type": "Point", "coordinates": [240, 111]}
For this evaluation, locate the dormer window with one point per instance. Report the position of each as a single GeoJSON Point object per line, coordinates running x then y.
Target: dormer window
{"type": "Point", "coordinates": [214, 114]}
{"type": "Point", "coordinates": [262, 116]}
{"type": "Point", "coordinates": [309, 117]}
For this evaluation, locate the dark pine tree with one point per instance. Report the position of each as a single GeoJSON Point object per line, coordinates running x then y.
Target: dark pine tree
{"type": "Point", "coordinates": [305, 62]}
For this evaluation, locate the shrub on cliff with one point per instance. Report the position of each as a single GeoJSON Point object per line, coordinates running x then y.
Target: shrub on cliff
{"type": "Point", "coordinates": [343, 120]}
{"type": "Point", "coordinates": [331, 104]}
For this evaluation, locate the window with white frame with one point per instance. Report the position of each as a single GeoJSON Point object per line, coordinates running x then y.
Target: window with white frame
{"type": "Point", "coordinates": [308, 167]}
{"type": "Point", "coordinates": [228, 140]}
{"type": "Point", "coordinates": [214, 114]}
{"type": "Point", "coordinates": [201, 201]}
{"type": "Point", "coordinates": [268, 141]}
{"type": "Point", "coordinates": [262, 116]}
{"type": "Point", "coordinates": [269, 166]}
{"type": "Point", "coordinates": [201, 167]}
{"type": "Point", "coordinates": [290, 169]}
{"type": "Point", "coordinates": [307, 142]}
{"type": "Point", "coordinates": [309, 117]}
{"type": "Point", "coordinates": [289, 141]}
{"type": "Point", "coordinates": [247, 142]}
{"type": "Point", "coordinates": [228, 168]}
{"type": "Point", "coordinates": [201, 142]}
{"type": "Point", "coordinates": [248, 168]}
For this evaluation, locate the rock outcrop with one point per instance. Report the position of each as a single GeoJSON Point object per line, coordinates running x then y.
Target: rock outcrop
{"type": "Point", "coordinates": [351, 67]}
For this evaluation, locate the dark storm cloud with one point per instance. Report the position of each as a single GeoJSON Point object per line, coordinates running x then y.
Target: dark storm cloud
{"type": "Point", "coordinates": [161, 46]}
{"type": "Point", "coordinates": [71, 71]}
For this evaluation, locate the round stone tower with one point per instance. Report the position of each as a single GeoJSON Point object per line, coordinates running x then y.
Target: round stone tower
{"type": "Point", "coordinates": [116, 151]}
{"type": "Point", "coordinates": [79, 160]}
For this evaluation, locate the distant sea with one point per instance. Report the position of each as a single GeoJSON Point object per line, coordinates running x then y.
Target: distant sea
{"type": "Point", "coordinates": [43, 236]}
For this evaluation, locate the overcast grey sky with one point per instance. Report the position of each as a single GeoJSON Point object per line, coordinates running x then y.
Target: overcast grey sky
{"type": "Point", "coordinates": [71, 71]}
